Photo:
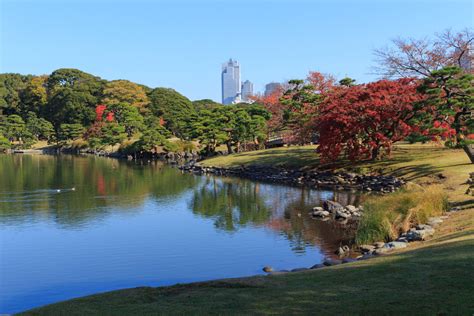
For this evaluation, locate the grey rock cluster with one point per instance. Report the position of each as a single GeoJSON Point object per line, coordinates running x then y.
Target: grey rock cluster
{"type": "Point", "coordinates": [316, 179]}
{"type": "Point", "coordinates": [333, 209]}
{"type": "Point", "coordinates": [418, 233]}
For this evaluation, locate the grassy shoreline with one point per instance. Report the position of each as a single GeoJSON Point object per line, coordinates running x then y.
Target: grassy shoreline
{"type": "Point", "coordinates": [427, 278]}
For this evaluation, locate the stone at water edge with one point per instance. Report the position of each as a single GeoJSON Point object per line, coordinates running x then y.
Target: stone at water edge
{"type": "Point", "coordinates": [352, 208]}
{"type": "Point", "coordinates": [379, 244]}
{"type": "Point", "coordinates": [332, 206]}
{"type": "Point", "coordinates": [317, 266]}
{"type": "Point", "coordinates": [341, 214]}
{"type": "Point", "coordinates": [366, 248]}
{"type": "Point", "coordinates": [321, 214]}
{"type": "Point", "coordinates": [396, 245]}
{"type": "Point", "coordinates": [267, 269]}
{"type": "Point", "coordinates": [381, 251]}
{"type": "Point", "coordinates": [331, 262]}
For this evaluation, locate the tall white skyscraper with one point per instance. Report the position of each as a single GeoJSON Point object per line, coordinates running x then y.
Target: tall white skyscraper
{"type": "Point", "coordinates": [230, 82]}
{"type": "Point", "coordinates": [247, 91]}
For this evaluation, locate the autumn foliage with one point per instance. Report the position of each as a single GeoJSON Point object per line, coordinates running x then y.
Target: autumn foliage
{"type": "Point", "coordinates": [364, 121]}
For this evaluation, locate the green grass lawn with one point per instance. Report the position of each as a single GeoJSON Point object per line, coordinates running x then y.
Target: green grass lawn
{"type": "Point", "coordinates": [432, 278]}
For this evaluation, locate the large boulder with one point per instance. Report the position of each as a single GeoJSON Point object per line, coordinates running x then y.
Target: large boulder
{"type": "Point", "coordinates": [332, 206]}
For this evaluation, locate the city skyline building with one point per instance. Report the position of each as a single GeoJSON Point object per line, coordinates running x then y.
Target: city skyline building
{"type": "Point", "coordinates": [247, 91]}
{"type": "Point", "coordinates": [270, 87]}
{"type": "Point", "coordinates": [230, 80]}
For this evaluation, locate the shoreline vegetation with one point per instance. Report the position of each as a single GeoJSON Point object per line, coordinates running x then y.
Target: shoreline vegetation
{"type": "Point", "coordinates": [433, 175]}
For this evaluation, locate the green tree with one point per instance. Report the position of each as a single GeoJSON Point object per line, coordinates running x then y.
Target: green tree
{"type": "Point", "coordinates": [34, 96]}
{"type": "Point", "coordinates": [14, 129]}
{"type": "Point", "coordinates": [10, 87]}
{"type": "Point", "coordinates": [4, 143]}
{"type": "Point", "coordinates": [209, 129]}
{"type": "Point", "coordinates": [123, 91]}
{"type": "Point", "coordinates": [40, 128]}
{"type": "Point", "coordinates": [128, 116]}
{"type": "Point", "coordinates": [112, 134]}
{"type": "Point", "coordinates": [70, 131]}
{"type": "Point", "coordinates": [177, 110]}
{"type": "Point", "coordinates": [73, 96]}
{"type": "Point", "coordinates": [450, 98]}
{"type": "Point", "coordinates": [151, 139]}
{"type": "Point", "coordinates": [206, 104]}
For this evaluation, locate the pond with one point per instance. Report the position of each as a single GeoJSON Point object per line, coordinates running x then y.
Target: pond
{"type": "Point", "coordinates": [72, 226]}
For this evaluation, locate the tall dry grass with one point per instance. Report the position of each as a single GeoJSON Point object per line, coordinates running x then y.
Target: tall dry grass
{"type": "Point", "coordinates": [385, 217]}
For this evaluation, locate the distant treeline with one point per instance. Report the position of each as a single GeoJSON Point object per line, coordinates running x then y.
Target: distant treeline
{"type": "Point", "coordinates": [70, 104]}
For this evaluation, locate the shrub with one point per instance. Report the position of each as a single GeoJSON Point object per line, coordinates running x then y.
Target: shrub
{"type": "Point", "coordinates": [385, 217]}
{"type": "Point", "coordinates": [79, 144]}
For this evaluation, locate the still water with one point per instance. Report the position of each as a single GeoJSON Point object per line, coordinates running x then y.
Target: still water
{"type": "Point", "coordinates": [72, 226]}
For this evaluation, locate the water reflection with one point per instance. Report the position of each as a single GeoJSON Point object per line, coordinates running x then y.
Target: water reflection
{"type": "Point", "coordinates": [41, 186]}
{"type": "Point", "coordinates": [130, 224]}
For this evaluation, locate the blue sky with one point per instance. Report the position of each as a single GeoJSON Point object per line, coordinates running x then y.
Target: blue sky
{"type": "Point", "coordinates": [182, 44]}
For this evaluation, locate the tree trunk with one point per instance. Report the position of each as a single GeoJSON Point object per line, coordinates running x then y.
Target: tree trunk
{"type": "Point", "coordinates": [229, 148]}
{"type": "Point", "coordinates": [469, 149]}
{"type": "Point", "coordinates": [375, 152]}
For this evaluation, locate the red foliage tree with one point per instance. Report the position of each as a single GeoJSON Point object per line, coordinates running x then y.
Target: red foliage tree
{"type": "Point", "coordinates": [99, 112]}
{"type": "Point", "coordinates": [363, 121]}
{"type": "Point", "coordinates": [272, 103]}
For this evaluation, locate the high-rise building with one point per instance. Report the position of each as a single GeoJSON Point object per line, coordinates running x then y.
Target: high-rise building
{"type": "Point", "coordinates": [247, 91]}
{"type": "Point", "coordinates": [272, 86]}
{"type": "Point", "coordinates": [230, 82]}
{"type": "Point", "coordinates": [467, 59]}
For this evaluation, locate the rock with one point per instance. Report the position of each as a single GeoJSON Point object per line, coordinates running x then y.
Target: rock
{"type": "Point", "coordinates": [365, 256]}
{"type": "Point", "coordinates": [402, 239]}
{"type": "Point", "coordinates": [351, 208]}
{"type": "Point", "coordinates": [379, 244]}
{"type": "Point", "coordinates": [396, 245]}
{"type": "Point", "coordinates": [318, 266]}
{"type": "Point", "coordinates": [348, 260]}
{"type": "Point", "coordinates": [366, 248]}
{"type": "Point", "coordinates": [299, 269]}
{"type": "Point", "coordinates": [346, 248]}
{"type": "Point", "coordinates": [423, 227]}
{"type": "Point", "coordinates": [420, 234]}
{"type": "Point", "coordinates": [341, 215]}
{"type": "Point", "coordinates": [434, 221]}
{"type": "Point", "coordinates": [267, 269]}
{"type": "Point", "coordinates": [317, 209]}
{"type": "Point", "coordinates": [332, 206]}
{"type": "Point", "coordinates": [340, 251]}
{"type": "Point", "coordinates": [331, 262]}
{"type": "Point", "coordinates": [380, 251]}
{"type": "Point", "coordinates": [321, 214]}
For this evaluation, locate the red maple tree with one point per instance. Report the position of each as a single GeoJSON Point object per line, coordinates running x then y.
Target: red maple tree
{"type": "Point", "coordinates": [364, 121]}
